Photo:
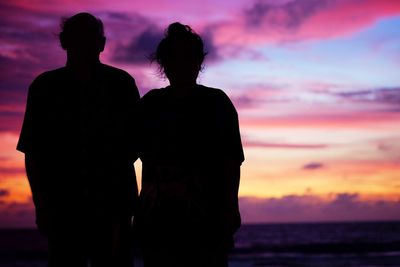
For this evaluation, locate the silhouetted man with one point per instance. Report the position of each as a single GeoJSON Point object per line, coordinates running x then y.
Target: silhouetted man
{"type": "Point", "coordinates": [77, 137]}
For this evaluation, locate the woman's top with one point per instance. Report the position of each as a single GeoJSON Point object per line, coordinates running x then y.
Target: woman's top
{"type": "Point", "coordinates": [191, 152]}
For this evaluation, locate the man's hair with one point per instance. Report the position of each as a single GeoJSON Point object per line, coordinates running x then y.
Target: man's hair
{"type": "Point", "coordinates": [70, 26]}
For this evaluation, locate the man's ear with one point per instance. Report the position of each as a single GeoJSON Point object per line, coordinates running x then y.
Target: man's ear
{"type": "Point", "coordinates": [102, 44]}
{"type": "Point", "coordinates": [63, 41]}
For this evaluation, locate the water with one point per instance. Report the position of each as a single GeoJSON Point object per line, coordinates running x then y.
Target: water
{"type": "Point", "coordinates": [370, 244]}
{"type": "Point", "coordinates": [373, 244]}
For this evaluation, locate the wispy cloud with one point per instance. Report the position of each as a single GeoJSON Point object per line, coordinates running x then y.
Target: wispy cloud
{"type": "Point", "coordinates": [389, 96]}
{"type": "Point", "coordinates": [261, 144]}
{"type": "Point", "coordinates": [335, 120]}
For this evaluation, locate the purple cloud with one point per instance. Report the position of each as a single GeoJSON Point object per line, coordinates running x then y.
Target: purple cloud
{"type": "Point", "coordinates": [4, 192]}
{"type": "Point", "coordinates": [307, 208]}
{"type": "Point", "coordinates": [17, 215]}
{"type": "Point", "coordinates": [244, 101]}
{"type": "Point", "coordinates": [389, 96]}
{"type": "Point", "coordinates": [313, 166]}
{"type": "Point", "coordinates": [288, 15]}
{"type": "Point", "coordinates": [140, 48]}
{"type": "Point", "coordinates": [210, 47]}
{"type": "Point", "coordinates": [30, 47]}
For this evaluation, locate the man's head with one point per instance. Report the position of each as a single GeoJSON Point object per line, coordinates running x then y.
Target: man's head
{"type": "Point", "coordinates": [82, 35]}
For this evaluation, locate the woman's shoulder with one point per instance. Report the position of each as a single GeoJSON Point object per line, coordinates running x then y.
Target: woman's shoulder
{"type": "Point", "coordinates": [210, 90]}
{"type": "Point", "coordinates": [154, 93]}
{"type": "Point", "coordinates": [152, 97]}
{"type": "Point", "coordinates": [220, 99]}
{"type": "Point", "coordinates": [215, 93]}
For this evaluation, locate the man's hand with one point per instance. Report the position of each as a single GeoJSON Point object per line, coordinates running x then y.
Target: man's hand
{"type": "Point", "coordinates": [42, 221]}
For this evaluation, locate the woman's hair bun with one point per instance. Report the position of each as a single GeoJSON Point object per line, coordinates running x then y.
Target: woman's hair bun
{"type": "Point", "coordinates": [179, 33]}
{"type": "Point", "coordinates": [176, 30]}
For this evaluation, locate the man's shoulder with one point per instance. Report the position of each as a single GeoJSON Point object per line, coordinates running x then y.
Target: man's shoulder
{"type": "Point", "coordinates": [115, 72]}
{"type": "Point", "coordinates": [51, 75]}
{"type": "Point", "coordinates": [48, 79]}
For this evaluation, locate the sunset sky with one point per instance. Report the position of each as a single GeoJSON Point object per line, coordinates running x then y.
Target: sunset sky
{"type": "Point", "coordinates": [316, 84]}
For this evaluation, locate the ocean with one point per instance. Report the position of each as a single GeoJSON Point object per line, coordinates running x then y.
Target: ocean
{"type": "Point", "coordinates": [366, 244]}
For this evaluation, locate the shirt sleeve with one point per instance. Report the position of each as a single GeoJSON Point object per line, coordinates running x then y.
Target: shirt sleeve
{"type": "Point", "coordinates": [27, 138]}
{"type": "Point", "coordinates": [132, 118]}
{"type": "Point", "coordinates": [228, 124]}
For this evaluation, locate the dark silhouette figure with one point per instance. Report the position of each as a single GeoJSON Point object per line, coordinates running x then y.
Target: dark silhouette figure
{"type": "Point", "coordinates": [78, 137]}
{"type": "Point", "coordinates": [191, 152]}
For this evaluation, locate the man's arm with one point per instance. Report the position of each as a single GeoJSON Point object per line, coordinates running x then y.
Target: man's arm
{"type": "Point", "coordinates": [132, 107]}
{"type": "Point", "coordinates": [35, 178]}
{"type": "Point", "coordinates": [132, 103]}
{"type": "Point", "coordinates": [29, 144]}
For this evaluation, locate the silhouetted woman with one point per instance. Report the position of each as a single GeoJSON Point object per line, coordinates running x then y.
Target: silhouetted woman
{"type": "Point", "coordinates": [191, 153]}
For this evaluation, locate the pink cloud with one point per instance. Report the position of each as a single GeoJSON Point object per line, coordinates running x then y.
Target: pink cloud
{"type": "Point", "coordinates": [269, 22]}
{"type": "Point", "coordinates": [389, 147]}
{"type": "Point", "coordinates": [162, 10]}
{"type": "Point", "coordinates": [363, 120]}
{"type": "Point", "coordinates": [259, 144]}
{"type": "Point", "coordinates": [11, 122]}
{"type": "Point", "coordinates": [11, 170]}
{"type": "Point", "coordinates": [254, 96]}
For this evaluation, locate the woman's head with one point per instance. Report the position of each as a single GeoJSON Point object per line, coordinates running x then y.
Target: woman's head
{"type": "Point", "coordinates": [180, 54]}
